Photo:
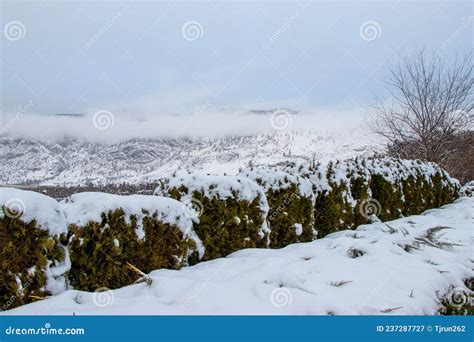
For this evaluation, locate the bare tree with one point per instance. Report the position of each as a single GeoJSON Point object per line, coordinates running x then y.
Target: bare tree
{"type": "Point", "coordinates": [431, 106]}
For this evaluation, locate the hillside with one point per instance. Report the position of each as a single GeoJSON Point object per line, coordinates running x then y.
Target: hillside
{"type": "Point", "coordinates": [79, 162]}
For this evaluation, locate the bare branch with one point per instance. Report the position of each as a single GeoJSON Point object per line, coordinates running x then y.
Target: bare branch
{"type": "Point", "coordinates": [431, 107]}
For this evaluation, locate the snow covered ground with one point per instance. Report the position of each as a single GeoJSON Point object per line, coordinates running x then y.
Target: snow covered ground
{"type": "Point", "coordinates": [399, 267]}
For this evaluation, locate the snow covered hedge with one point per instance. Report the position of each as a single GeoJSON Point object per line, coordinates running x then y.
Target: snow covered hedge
{"type": "Point", "coordinates": [109, 231]}
{"type": "Point", "coordinates": [229, 212]}
{"type": "Point", "coordinates": [33, 258]}
{"type": "Point", "coordinates": [203, 217]}
{"type": "Point", "coordinates": [291, 202]}
{"type": "Point", "coordinates": [409, 266]}
{"type": "Point", "coordinates": [297, 203]}
{"type": "Point", "coordinates": [355, 191]}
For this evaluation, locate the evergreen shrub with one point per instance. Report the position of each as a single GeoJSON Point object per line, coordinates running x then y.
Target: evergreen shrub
{"type": "Point", "coordinates": [290, 199]}
{"type": "Point", "coordinates": [33, 259]}
{"type": "Point", "coordinates": [109, 232]}
{"type": "Point", "coordinates": [229, 212]}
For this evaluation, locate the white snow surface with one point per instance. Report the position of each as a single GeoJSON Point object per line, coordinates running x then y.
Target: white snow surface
{"type": "Point", "coordinates": [392, 169]}
{"type": "Point", "coordinates": [298, 229]}
{"type": "Point", "coordinates": [211, 185]}
{"type": "Point", "coordinates": [34, 206]}
{"type": "Point", "coordinates": [320, 277]}
{"type": "Point", "coordinates": [276, 179]}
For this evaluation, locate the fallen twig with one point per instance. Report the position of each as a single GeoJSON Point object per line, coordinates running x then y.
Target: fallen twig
{"type": "Point", "coordinates": [144, 277]}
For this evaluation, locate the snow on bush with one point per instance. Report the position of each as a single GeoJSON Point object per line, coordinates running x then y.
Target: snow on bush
{"type": "Point", "coordinates": [468, 189]}
{"type": "Point", "coordinates": [229, 212]}
{"type": "Point", "coordinates": [404, 267]}
{"type": "Point", "coordinates": [291, 202]}
{"type": "Point", "coordinates": [308, 200]}
{"type": "Point", "coordinates": [355, 191]}
{"type": "Point", "coordinates": [109, 231]}
{"type": "Point", "coordinates": [89, 206]}
{"type": "Point", "coordinates": [34, 260]}
{"type": "Point", "coordinates": [112, 238]}
{"type": "Point", "coordinates": [30, 205]}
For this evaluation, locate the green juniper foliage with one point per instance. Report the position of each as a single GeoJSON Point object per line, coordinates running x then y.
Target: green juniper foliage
{"type": "Point", "coordinates": [400, 190]}
{"type": "Point", "coordinates": [287, 208]}
{"type": "Point", "coordinates": [100, 250]}
{"type": "Point", "coordinates": [290, 206]}
{"type": "Point", "coordinates": [25, 253]}
{"type": "Point", "coordinates": [388, 194]}
{"type": "Point", "coordinates": [225, 225]}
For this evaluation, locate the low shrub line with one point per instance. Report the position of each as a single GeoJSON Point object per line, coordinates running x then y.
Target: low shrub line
{"type": "Point", "coordinates": [97, 240]}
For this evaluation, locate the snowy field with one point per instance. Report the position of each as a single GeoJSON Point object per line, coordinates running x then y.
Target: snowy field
{"type": "Point", "coordinates": [400, 267]}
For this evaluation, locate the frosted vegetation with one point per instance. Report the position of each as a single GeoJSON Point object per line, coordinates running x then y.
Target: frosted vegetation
{"type": "Point", "coordinates": [406, 266]}
{"type": "Point", "coordinates": [95, 240]}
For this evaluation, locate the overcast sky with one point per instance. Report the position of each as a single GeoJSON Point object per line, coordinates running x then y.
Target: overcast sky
{"type": "Point", "coordinates": [173, 57]}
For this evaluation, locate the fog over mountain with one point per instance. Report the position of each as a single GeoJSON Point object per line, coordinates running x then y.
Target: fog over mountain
{"type": "Point", "coordinates": [113, 126]}
{"type": "Point", "coordinates": [108, 148]}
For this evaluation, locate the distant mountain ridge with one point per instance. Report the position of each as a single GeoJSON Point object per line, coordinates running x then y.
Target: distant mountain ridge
{"type": "Point", "coordinates": [79, 162]}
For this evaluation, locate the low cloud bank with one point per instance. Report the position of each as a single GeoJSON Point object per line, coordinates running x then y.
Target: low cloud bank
{"type": "Point", "coordinates": [108, 126]}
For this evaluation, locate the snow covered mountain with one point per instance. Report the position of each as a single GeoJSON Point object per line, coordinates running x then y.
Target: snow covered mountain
{"type": "Point", "coordinates": [74, 161]}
